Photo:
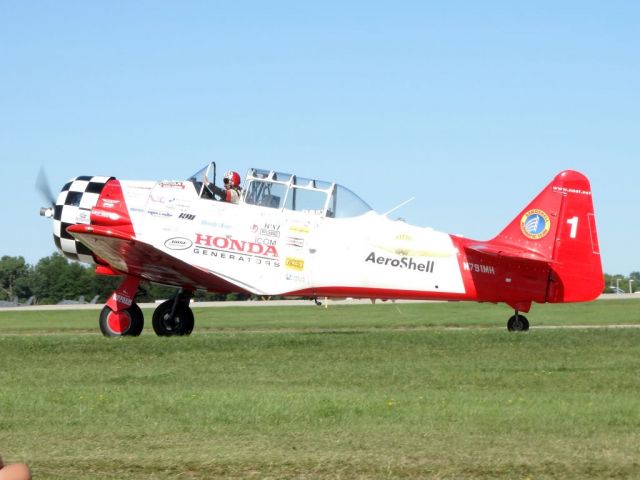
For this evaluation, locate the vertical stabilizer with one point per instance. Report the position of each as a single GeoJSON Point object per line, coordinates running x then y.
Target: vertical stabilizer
{"type": "Point", "coordinates": [559, 227]}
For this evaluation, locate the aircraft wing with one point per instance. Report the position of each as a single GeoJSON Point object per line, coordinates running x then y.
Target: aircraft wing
{"type": "Point", "coordinates": [127, 255]}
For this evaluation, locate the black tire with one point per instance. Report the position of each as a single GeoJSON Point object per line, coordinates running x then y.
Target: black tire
{"type": "Point", "coordinates": [138, 320]}
{"type": "Point", "coordinates": [124, 323]}
{"type": "Point", "coordinates": [518, 323]}
{"type": "Point", "coordinates": [181, 324]}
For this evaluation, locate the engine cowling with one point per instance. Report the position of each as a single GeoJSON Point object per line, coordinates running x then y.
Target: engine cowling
{"type": "Point", "coordinates": [73, 206]}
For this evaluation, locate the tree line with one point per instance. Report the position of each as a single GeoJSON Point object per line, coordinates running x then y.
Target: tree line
{"type": "Point", "coordinates": [55, 278]}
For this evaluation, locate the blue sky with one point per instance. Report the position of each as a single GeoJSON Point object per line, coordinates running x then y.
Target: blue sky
{"type": "Point", "coordinates": [471, 107]}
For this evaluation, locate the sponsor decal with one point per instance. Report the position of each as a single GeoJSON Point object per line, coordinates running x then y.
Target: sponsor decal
{"type": "Point", "coordinates": [83, 216]}
{"type": "Point", "coordinates": [170, 201]}
{"type": "Point", "coordinates": [156, 213]}
{"type": "Point", "coordinates": [243, 251]}
{"type": "Point", "coordinates": [405, 263]}
{"type": "Point", "coordinates": [535, 224]}
{"type": "Point", "coordinates": [178, 243]}
{"type": "Point", "coordinates": [113, 216]}
{"type": "Point", "coordinates": [571, 190]}
{"type": "Point", "coordinates": [222, 226]}
{"type": "Point", "coordinates": [178, 185]}
{"type": "Point", "coordinates": [299, 229]}
{"type": "Point", "coordinates": [155, 198]}
{"type": "Point", "coordinates": [293, 277]}
{"type": "Point", "coordinates": [295, 242]}
{"type": "Point", "coordinates": [294, 264]}
{"type": "Point", "coordinates": [231, 244]}
{"type": "Point", "coordinates": [479, 268]}
{"type": "Point", "coordinates": [109, 203]}
{"type": "Point", "coordinates": [267, 230]}
{"type": "Point", "coordinates": [187, 216]}
{"type": "Point", "coordinates": [266, 241]}
{"type": "Point", "coordinates": [405, 245]}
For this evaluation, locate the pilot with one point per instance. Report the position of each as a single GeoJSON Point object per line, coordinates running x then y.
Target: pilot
{"type": "Point", "coordinates": [231, 191]}
{"type": "Point", "coordinates": [232, 186]}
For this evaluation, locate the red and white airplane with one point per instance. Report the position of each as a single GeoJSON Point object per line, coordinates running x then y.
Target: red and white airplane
{"type": "Point", "coordinates": [298, 237]}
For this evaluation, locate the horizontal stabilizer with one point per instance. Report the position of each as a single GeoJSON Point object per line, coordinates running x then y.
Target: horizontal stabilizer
{"type": "Point", "coordinates": [512, 251]}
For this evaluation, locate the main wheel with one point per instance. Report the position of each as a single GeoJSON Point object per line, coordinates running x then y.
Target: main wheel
{"type": "Point", "coordinates": [122, 323]}
{"type": "Point", "coordinates": [518, 323]}
{"type": "Point", "coordinates": [181, 323]}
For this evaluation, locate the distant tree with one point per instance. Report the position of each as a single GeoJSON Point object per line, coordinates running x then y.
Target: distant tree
{"type": "Point", "coordinates": [233, 297]}
{"type": "Point", "coordinates": [150, 292]}
{"type": "Point", "coordinates": [611, 281]}
{"type": "Point", "coordinates": [22, 287]}
{"type": "Point", "coordinates": [50, 279]}
{"type": "Point", "coordinates": [55, 278]}
{"type": "Point", "coordinates": [209, 296]}
{"type": "Point", "coordinates": [14, 273]}
{"type": "Point", "coordinates": [103, 286]}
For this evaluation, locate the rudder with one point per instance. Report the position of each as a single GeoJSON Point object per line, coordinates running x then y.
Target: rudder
{"type": "Point", "coordinates": [577, 267]}
{"type": "Point", "coordinates": [558, 227]}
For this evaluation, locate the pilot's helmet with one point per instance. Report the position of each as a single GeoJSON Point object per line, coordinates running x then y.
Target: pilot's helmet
{"type": "Point", "coordinates": [233, 178]}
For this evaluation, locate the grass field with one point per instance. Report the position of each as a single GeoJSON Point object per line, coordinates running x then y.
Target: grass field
{"type": "Point", "coordinates": [384, 391]}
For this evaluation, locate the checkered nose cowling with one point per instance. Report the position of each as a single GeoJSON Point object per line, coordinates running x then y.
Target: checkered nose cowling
{"type": "Point", "coordinates": [73, 206]}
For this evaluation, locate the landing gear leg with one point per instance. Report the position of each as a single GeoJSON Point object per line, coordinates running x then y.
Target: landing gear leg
{"type": "Point", "coordinates": [518, 323]}
{"type": "Point", "coordinates": [121, 316]}
{"type": "Point", "coordinates": [174, 316]}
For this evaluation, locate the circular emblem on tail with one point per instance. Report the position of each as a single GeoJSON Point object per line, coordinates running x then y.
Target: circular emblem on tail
{"type": "Point", "coordinates": [535, 224]}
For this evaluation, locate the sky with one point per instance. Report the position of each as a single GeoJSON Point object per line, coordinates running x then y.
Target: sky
{"type": "Point", "coordinates": [470, 107]}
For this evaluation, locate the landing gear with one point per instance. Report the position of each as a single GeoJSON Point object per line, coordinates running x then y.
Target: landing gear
{"type": "Point", "coordinates": [518, 323]}
{"type": "Point", "coordinates": [174, 316]}
{"type": "Point", "coordinates": [121, 316]}
{"type": "Point", "coordinates": [121, 323]}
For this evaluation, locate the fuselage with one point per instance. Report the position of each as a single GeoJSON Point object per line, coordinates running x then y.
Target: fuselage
{"type": "Point", "coordinates": [273, 251]}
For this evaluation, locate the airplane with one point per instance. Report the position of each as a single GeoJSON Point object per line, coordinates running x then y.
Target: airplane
{"type": "Point", "coordinates": [79, 301]}
{"type": "Point", "coordinates": [16, 303]}
{"type": "Point", "coordinates": [298, 237]}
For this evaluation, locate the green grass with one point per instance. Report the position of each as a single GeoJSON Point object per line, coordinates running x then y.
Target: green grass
{"type": "Point", "coordinates": [346, 392]}
{"type": "Point", "coordinates": [341, 317]}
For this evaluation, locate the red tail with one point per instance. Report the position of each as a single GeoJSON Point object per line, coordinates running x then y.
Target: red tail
{"type": "Point", "coordinates": [559, 227]}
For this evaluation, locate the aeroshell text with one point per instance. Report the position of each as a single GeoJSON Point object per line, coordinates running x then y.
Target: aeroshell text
{"type": "Point", "coordinates": [407, 263]}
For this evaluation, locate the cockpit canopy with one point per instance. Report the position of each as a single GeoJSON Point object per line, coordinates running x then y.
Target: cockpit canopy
{"type": "Point", "coordinates": [290, 192]}
{"type": "Point", "coordinates": [279, 190]}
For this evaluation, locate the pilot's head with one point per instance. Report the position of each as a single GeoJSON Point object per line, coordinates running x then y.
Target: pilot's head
{"type": "Point", "coordinates": [231, 179]}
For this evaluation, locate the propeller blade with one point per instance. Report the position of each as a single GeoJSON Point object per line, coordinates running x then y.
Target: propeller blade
{"type": "Point", "coordinates": [42, 185]}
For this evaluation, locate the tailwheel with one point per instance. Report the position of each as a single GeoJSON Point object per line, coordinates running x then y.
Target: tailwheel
{"type": "Point", "coordinates": [174, 317]}
{"type": "Point", "coordinates": [121, 323]}
{"type": "Point", "coordinates": [518, 323]}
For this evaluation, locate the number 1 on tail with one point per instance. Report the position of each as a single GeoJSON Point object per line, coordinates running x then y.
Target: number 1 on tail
{"type": "Point", "coordinates": [573, 221]}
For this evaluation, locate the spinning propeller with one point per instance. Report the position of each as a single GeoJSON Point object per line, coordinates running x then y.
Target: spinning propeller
{"type": "Point", "coordinates": [42, 185]}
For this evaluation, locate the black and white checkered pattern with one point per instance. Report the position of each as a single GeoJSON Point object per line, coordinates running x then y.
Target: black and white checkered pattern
{"type": "Point", "coordinates": [73, 206]}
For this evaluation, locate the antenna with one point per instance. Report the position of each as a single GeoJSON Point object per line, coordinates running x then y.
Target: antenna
{"type": "Point", "coordinates": [399, 206]}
